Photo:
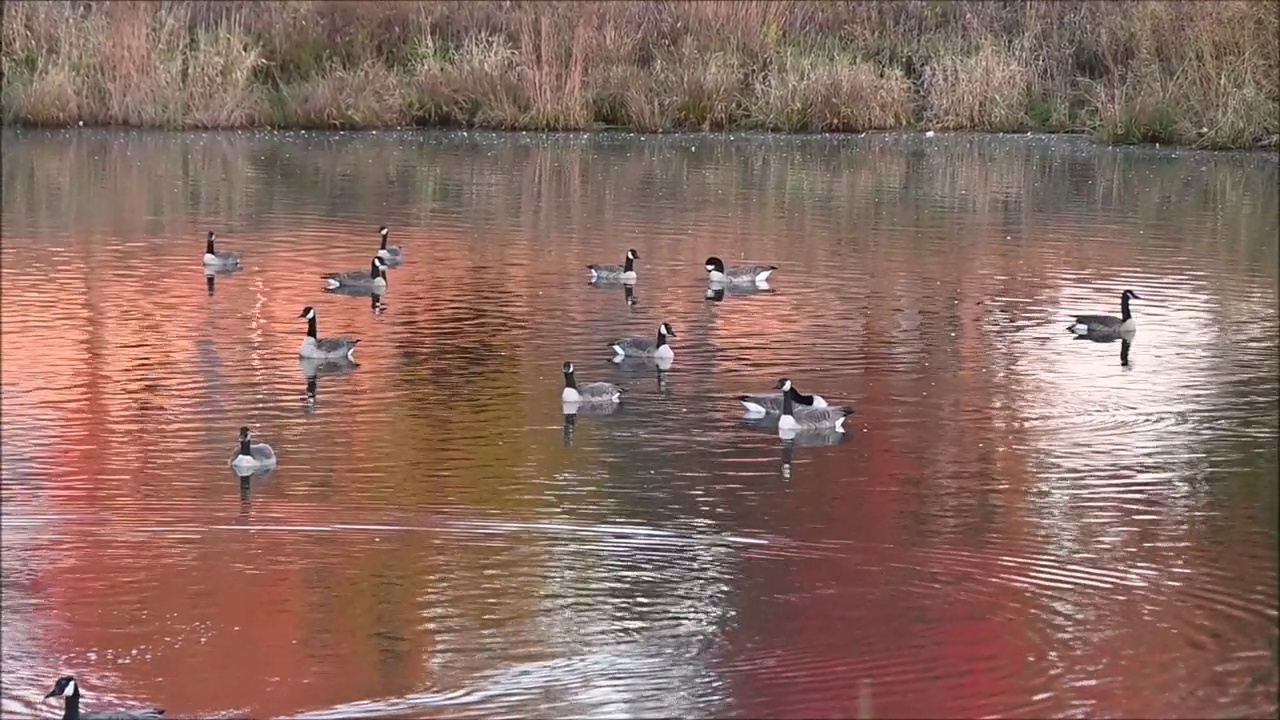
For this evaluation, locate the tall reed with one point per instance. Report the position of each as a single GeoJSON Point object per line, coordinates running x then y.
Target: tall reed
{"type": "Point", "coordinates": [1176, 71]}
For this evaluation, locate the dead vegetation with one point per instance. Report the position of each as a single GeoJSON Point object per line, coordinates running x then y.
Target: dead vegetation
{"type": "Point", "coordinates": [1188, 72]}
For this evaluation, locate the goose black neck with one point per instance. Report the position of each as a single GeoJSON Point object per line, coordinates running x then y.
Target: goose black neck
{"type": "Point", "coordinates": [788, 405]}
{"type": "Point", "coordinates": [569, 381]}
{"type": "Point", "coordinates": [311, 327]}
{"type": "Point", "coordinates": [383, 244]}
{"type": "Point", "coordinates": [373, 270]}
{"type": "Point", "coordinates": [208, 245]}
{"type": "Point", "coordinates": [244, 446]}
{"type": "Point", "coordinates": [1125, 314]}
{"type": "Point", "coordinates": [71, 707]}
{"type": "Point", "coordinates": [797, 396]}
{"type": "Point", "coordinates": [628, 264]}
{"type": "Point", "coordinates": [662, 339]}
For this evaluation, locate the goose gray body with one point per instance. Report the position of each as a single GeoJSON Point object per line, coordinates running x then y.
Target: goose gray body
{"type": "Point", "coordinates": [390, 253]}
{"type": "Point", "coordinates": [1107, 324]}
{"type": "Point", "coordinates": [796, 418]}
{"type": "Point", "coordinates": [219, 259]}
{"type": "Point", "coordinates": [251, 456]}
{"type": "Point", "coordinates": [771, 404]}
{"type": "Point", "coordinates": [626, 272]}
{"type": "Point", "coordinates": [646, 347]}
{"type": "Point", "coordinates": [324, 348]}
{"type": "Point", "coordinates": [587, 393]}
{"type": "Point", "coordinates": [69, 690]}
{"type": "Point", "coordinates": [717, 272]}
{"type": "Point", "coordinates": [375, 278]}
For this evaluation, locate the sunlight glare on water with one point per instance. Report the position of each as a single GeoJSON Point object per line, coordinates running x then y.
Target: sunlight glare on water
{"type": "Point", "coordinates": [1016, 522]}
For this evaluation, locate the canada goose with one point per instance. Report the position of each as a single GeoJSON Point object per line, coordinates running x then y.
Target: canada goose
{"type": "Point", "coordinates": [718, 273]}
{"type": "Point", "coordinates": [330, 347]}
{"type": "Point", "coordinates": [644, 347]}
{"type": "Point", "coordinates": [765, 404]}
{"type": "Point", "coordinates": [375, 278]}
{"type": "Point", "coordinates": [226, 258]}
{"type": "Point", "coordinates": [69, 690]}
{"type": "Point", "coordinates": [592, 392]}
{"type": "Point", "coordinates": [796, 418]}
{"type": "Point", "coordinates": [247, 458]}
{"type": "Point", "coordinates": [390, 253]}
{"type": "Point", "coordinates": [1107, 324]}
{"type": "Point", "coordinates": [620, 273]}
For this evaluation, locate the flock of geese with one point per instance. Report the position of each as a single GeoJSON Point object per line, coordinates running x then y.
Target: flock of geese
{"type": "Point", "coordinates": [796, 412]}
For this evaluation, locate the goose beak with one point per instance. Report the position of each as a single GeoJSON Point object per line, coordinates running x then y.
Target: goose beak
{"type": "Point", "coordinates": [52, 694]}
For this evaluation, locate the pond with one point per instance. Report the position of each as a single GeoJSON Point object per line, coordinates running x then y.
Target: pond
{"type": "Point", "coordinates": [1015, 522]}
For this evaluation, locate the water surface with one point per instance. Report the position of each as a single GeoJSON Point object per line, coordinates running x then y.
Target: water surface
{"type": "Point", "coordinates": [1017, 523]}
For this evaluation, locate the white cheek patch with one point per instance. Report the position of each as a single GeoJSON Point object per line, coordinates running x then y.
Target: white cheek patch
{"type": "Point", "coordinates": [710, 268]}
{"type": "Point", "coordinates": [70, 689]}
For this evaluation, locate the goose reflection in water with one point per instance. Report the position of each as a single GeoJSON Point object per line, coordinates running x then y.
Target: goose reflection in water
{"type": "Point", "coordinates": [211, 276]}
{"type": "Point", "coordinates": [376, 304]}
{"type": "Point", "coordinates": [629, 295]}
{"type": "Point", "coordinates": [572, 410]}
{"type": "Point", "coordinates": [635, 367]}
{"type": "Point", "coordinates": [1126, 343]}
{"type": "Point", "coordinates": [313, 368]}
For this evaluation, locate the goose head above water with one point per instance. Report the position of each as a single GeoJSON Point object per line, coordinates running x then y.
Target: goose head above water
{"type": "Point", "coordinates": [68, 689]}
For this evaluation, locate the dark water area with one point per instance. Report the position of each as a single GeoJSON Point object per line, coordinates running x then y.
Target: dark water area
{"type": "Point", "coordinates": [1016, 523]}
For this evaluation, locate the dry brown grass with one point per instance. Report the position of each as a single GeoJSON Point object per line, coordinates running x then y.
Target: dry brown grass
{"type": "Point", "coordinates": [1178, 71]}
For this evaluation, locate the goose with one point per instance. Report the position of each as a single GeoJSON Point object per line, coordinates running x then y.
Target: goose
{"type": "Point", "coordinates": [1106, 324]}
{"type": "Point", "coordinates": [796, 418]}
{"type": "Point", "coordinates": [644, 347]}
{"type": "Point", "coordinates": [765, 404]}
{"type": "Point", "coordinates": [391, 253]}
{"type": "Point", "coordinates": [247, 458]}
{"type": "Point", "coordinates": [718, 273]}
{"type": "Point", "coordinates": [375, 278]}
{"type": "Point", "coordinates": [69, 690]}
{"type": "Point", "coordinates": [622, 273]}
{"type": "Point", "coordinates": [226, 258]}
{"type": "Point", "coordinates": [330, 347]}
{"type": "Point", "coordinates": [592, 392]}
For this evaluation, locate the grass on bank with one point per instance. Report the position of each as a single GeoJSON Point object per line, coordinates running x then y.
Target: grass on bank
{"type": "Point", "coordinates": [1202, 73]}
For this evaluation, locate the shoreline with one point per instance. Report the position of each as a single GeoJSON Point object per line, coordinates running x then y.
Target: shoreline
{"type": "Point", "coordinates": [1169, 72]}
{"type": "Point", "coordinates": [1084, 139]}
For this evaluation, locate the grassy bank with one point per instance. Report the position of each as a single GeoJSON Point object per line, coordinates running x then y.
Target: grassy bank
{"type": "Point", "coordinates": [1201, 73]}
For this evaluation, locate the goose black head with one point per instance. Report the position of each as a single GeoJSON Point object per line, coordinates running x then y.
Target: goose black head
{"type": "Point", "coordinates": [245, 433]}
{"type": "Point", "coordinates": [208, 243]}
{"type": "Point", "coordinates": [714, 264]}
{"type": "Point", "coordinates": [783, 384]}
{"type": "Point", "coordinates": [1129, 294]}
{"type": "Point", "coordinates": [383, 231]}
{"type": "Point", "coordinates": [66, 687]}
{"type": "Point", "coordinates": [666, 329]}
{"type": "Point", "coordinates": [378, 268]}
{"type": "Point", "coordinates": [308, 312]}
{"type": "Point", "coordinates": [567, 368]}
{"type": "Point", "coordinates": [633, 255]}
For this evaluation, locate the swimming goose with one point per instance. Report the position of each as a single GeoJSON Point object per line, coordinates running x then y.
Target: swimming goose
{"type": "Point", "coordinates": [1104, 324]}
{"type": "Point", "coordinates": [718, 273]}
{"type": "Point", "coordinates": [330, 347]}
{"type": "Point", "coordinates": [375, 278]}
{"type": "Point", "coordinates": [620, 273]}
{"type": "Point", "coordinates": [390, 253]}
{"type": "Point", "coordinates": [226, 258]}
{"type": "Point", "coordinates": [644, 347]}
{"type": "Point", "coordinates": [69, 690]}
{"type": "Point", "coordinates": [798, 417]}
{"type": "Point", "coordinates": [247, 458]}
{"type": "Point", "coordinates": [592, 392]}
{"type": "Point", "coordinates": [765, 404]}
